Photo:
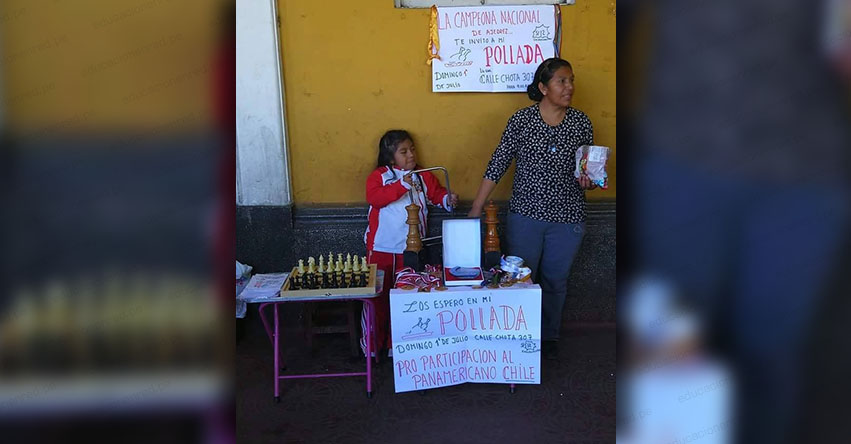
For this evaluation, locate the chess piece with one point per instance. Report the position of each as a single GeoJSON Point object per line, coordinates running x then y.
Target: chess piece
{"type": "Point", "coordinates": [317, 278]}
{"type": "Point", "coordinates": [310, 278]}
{"type": "Point", "coordinates": [492, 253]}
{"type": "Point", "coordinates": [347, 273]}
{"type": "Point", "coordinates": [413, 243]}
{"type": "Point", "coordinates": [296, 278]}
{"type": "Point", "coordinates": [356, 273]}
{"type": "Point", "coordinates": [320, 273]}
{"type": "Point", "coordinates": [328, 274]}
{"type": "Point", "coordinates": [491, 237]}
{"type": "Point", "coordinates": [338, 273]}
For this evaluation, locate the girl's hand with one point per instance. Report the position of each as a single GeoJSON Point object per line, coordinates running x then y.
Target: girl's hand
{"type": "Point", "coordinates": [453, 200]}
{"type": "Point", "coordinates": [585, 183]}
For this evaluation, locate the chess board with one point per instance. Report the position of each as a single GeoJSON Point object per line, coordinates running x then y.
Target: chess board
{"type": "Point", "coordinates": [369, 289]}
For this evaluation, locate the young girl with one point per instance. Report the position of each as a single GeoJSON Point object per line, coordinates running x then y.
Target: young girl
{"type": "Point", "coordinates": [387, 193]}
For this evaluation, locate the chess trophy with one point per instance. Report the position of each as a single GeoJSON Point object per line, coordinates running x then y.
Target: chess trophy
{"type": "Point", "coordinates": [413, 243]}
{"type": "Point", "coordinates": [492, 252]}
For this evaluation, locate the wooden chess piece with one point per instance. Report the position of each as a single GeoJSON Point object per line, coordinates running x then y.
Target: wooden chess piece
{"type": "Point", "coordinates": [491, 237]}
{"type": "Point", "coordinates": [320, 273]}
{"type": "Point", "coordinates": [328, 274]}
{"type": "Point", "coordinates": [413, 243]}
{"type": "Point", "coordinates": [347, 273]}
{"type": "Point", "coordinates": [308, 281]}
{"type": "Point", "coordinates": [296, 281]}
{"type": "Point", "coordinates": [355, 282]}
{"type": "Point", "coordinates": [492, 252]}
{"type": "Point", "coordinates": [338, 273]}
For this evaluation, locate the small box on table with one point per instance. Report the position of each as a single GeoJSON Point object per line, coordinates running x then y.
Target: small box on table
{"type": "Point", "coordinates": [462, 248]}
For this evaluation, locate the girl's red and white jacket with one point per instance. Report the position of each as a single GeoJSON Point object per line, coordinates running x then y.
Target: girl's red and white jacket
{"type": "Point", "coordinates": [388, 196]}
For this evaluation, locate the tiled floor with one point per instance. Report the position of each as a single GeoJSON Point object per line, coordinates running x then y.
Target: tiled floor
{"type": "Point", "coordinates": [575, 402]}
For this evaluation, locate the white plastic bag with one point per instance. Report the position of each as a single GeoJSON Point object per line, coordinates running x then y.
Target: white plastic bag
{"type": "Point", "coordinates": [591, 160]}
{"type": "Point", "coordinates": [242, 270]}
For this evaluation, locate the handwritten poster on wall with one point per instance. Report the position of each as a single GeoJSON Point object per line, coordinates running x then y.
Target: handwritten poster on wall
{"type": "Point", "coordinates": [493, 48]}
{"type": "Point", "coordinates": [444, 338]}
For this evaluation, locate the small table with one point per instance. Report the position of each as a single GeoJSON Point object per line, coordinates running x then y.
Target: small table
{"type": "Point", "coordinates": [274, 332]}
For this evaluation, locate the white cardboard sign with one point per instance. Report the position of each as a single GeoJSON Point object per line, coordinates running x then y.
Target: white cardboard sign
{"type": "Point", "coordinates": [493, 48]}
{"type": "Point", "coordinates": [443, 338]}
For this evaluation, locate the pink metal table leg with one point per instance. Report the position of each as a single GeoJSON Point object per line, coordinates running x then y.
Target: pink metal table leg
{"type": "Point", "coordinates": [275, 332]}
{"type": "Point", "coordinates": [276, 354]}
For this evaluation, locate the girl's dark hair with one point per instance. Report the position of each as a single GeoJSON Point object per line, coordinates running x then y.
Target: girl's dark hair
{"type": "Point", "coordinates": [544, 74]}
{"type": "Point", "coordinates": [387, 145]}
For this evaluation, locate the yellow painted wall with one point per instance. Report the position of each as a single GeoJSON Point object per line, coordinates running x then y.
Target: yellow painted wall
{"type": "Point", "coordinates": [107, 66]}
{"type": "Point", "coordinates": [355, 69]}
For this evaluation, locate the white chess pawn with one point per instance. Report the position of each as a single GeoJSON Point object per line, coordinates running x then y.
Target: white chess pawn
{"type": "Point", "coordinates": [338, 273]}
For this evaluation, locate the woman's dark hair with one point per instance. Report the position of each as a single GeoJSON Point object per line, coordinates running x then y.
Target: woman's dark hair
{"type": "Point", "coordinates": [544, 74]}
{"type": "Point", "coordinates": [387, 145]}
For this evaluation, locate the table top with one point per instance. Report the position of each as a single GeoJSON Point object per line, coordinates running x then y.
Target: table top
{"type": "Point", "coordinates": [379, 284]}
{"type": "Point", "coordinates": [470, 288]}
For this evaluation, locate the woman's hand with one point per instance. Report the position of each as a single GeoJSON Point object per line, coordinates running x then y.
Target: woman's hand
{"type": "Point", "coordinates": [585, 183]}
{"type": "Point", "coordinates": [408, 179]}
{"type": "Point", "coordinates": [481, 196]}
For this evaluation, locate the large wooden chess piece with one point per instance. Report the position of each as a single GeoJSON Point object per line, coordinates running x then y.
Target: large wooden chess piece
{"type": "Point", "coordinates": [492, 251]}
{"type": "Point", "coordinates": [413, 244]}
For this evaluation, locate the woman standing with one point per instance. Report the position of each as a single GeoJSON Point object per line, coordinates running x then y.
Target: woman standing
{"type": "Point", "coordinates": [546, 218]}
